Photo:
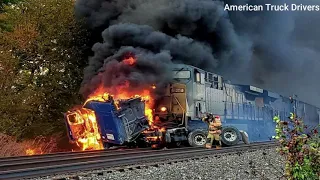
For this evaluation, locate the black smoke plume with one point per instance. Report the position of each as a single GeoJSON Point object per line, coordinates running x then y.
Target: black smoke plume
{"type": "Point", "coordinates": [274, 50]}
{"type": "Point", "coordinates": [153, 50]}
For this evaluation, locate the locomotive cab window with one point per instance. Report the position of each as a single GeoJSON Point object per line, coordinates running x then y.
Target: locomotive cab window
{"type": "Point", "coordinates": [210, 78]}
{"type": "Point", "coordinates": [215, 82]}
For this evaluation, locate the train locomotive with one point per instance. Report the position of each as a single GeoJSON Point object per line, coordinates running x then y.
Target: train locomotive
{"type": "Point", "coordinates": [246, 113]}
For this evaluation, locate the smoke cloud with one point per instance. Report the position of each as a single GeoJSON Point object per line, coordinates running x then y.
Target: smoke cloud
{"type": "Point", "coordinates": [273, 50]}
{"type": "Point", "coordinates": [153, 50]}
{"type": "Point", "coordinates": [284, 49]}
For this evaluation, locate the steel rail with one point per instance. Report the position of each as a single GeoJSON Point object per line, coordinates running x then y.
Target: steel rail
{"type": "Point", "coordinates": [20, 159]}
{"type": "Point", "coordinates": [51, 166]}
{"type": "Point", "coordinates": [77, 157]}
{"type": "Point", "coordinates": [60, 154]}
{"type": "Point", "coordinates": [74, 154]}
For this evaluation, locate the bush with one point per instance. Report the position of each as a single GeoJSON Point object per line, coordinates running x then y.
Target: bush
{"type": "Point", "coordinates": [300, 147]}
{"type": "Point", "coordinates": [40, 145]}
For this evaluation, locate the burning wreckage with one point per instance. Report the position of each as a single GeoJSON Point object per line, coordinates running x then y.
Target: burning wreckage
{"type": "Point", "coordinates": [142, 119]}
{"type": "Point", "coordinates": [104, 122]}
{"type": "Point", "coordinates": [126, 118]}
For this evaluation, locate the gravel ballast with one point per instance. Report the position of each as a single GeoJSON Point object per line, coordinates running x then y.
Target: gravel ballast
{"type": "Point", "coordinates": [259, 164]}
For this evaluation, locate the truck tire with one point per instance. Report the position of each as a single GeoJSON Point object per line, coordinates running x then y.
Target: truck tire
{"type": "Point", "coordinates": [244, 137]}
{"type": "Point", "coordinates": [230, 136]}
{"type": "Point", "coordinates": [197, 138]}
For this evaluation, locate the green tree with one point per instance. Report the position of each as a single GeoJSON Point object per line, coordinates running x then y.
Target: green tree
{"type": "Point", "coordinates": [3, 3]}
{"type": "Point", "coordinates": [7, 2]}
{"type": "Point", "coordinates": [42, 59]}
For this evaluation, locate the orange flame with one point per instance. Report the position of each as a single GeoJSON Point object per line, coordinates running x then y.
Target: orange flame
{"type": "Point", "coordinates": [33, 151]}
{"type": "Point", "coordinates": [30, 152]}
{"type": "Point", "coordinates": [84, 124]}
{"type": "Point", "coordinates": [129, 61]}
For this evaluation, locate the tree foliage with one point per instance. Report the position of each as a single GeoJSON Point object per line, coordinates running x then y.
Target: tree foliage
{"type": "Point", "coordinates": [3, 4]}
{"type": "Point", "coordinates": [7, 2]}
{"type": "Point", "coordinates": [301, 149]}
{"type": "Point", "coordinates": [41, 62]}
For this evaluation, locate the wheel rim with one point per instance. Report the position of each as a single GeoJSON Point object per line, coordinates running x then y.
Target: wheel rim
{"type": "Point", "coordinates": [230, 136]}
{"type": "Point", "coordinates": [199, 140]}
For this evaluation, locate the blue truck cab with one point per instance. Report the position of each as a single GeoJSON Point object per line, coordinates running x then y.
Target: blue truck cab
{"type": "Point", "coordinates": [116, 126]}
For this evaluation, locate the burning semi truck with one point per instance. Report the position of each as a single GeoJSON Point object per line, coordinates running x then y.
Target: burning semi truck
{"type": "Point", "coordinates": [101, 123]}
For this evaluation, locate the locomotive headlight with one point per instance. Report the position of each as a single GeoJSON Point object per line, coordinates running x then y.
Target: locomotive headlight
{"type": "Point", "coordinates": [163, 109]}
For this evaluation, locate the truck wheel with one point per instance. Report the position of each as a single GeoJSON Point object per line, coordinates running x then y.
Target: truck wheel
{"type": "Point", "coordinates": [197, 138]}
{"type": "Point", "coordinates": [230, 136]}
{"type": "Point", "coordinates": [245, 137]}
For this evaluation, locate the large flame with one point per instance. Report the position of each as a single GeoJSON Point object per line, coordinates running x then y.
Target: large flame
{"type": "Point", "coordinates": [86, 123]}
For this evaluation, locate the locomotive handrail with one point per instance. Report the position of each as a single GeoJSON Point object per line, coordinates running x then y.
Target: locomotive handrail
{"type": "Point", "coordinates": [183, 110]}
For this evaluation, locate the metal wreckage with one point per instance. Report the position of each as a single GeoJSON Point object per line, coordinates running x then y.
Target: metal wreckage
{"type": "Point", "coordinates": [126, 119]}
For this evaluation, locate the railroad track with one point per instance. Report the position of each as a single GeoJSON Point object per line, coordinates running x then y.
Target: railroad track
{"type": "Point", "coordinates": [50, 164]}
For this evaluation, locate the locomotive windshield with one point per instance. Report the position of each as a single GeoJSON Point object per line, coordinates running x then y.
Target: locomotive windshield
{"type": "Point", "coordinates": [181, 74]}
